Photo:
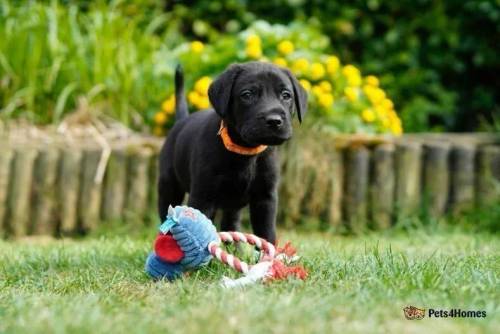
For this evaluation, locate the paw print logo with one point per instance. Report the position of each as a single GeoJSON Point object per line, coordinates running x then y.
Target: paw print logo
{"type": "Point", "coordinates": [414, 313]}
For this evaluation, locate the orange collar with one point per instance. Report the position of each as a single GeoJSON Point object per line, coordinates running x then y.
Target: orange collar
{"type": "Point", "coordinates": [235, 148]}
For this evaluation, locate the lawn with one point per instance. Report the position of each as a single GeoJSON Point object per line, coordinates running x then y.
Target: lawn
{"type": "Point", "coordinates": [356, 284]}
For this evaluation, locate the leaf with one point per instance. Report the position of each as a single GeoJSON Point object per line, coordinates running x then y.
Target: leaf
{"type": "Point", "coordinates": [61, 101]}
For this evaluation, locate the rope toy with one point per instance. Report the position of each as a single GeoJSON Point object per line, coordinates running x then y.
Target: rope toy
{"type": "Point", "coordinates": [188, 240]}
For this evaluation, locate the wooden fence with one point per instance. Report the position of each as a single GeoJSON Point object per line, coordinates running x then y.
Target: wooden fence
{"type": "Point", "coordinates": [60, 186]}
{"type": "Point", "coordinates": [358, 181]}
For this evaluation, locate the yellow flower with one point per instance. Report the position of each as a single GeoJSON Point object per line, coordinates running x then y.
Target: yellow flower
{"type": "Point", "coordinates": [201, 86]}
{"type": "Point", "coordinates": [326, 86]}
{"type": "Point", "coordinates": [168, 105]}
{"type": "Point", "coordinates": [203, 103]}
{"type": "Point", "coordinates": [285, 47]}
{"type": "Point", "coordinates": [368, 90]}
{"type": "Point", "coordinates": [381, 111]}
{"type": "Point", "coordinates": [392, 115]}
{"type": "Point", "coordinates": [332, 64]}
{"type": "Point", "coordinates": [194, 97]}
{"type": "Point", "coordinates": [352, 75]}
{"type": "Point", "coordinates": [378, 96]}
{"type": "Point", "coordinates": [254, 51]}
{"type": "Point", "coordinates": [160, 118]}
{"type": "Point", "coordinates": [351, 93]}
{"type": "Point", "coordinates": [387, 103]}
{"type": "Point", "coordinates": [396, 128]}
{"type": "Point", "coordinates": [368, 115]}
{"type": "Point", "coordinates": [374, 94]}
{"type": "Point", "coordinates": [354, 80]}
{"type": "Point", "coordinates": [300, 65]}
{"type": "Point", "coordinates": [158, 131]}
{"type": "Point", "coordinates": [326, 100]}
{"type": "Point", "coordinates": [372, 80]}
{"type": "Point", "coordinates": [350, 70]}
{"type": "Point", "coordinates": [280, 62]}
{"type": "Point", "coordinates": [317, 71]}
{"type": "Point", "coordinates": [386, 123]}
{"type": "Point", "coordinates": [317, 90]}
{"type": "Point", "coordinates": [197, 46]}
{"type": "Point", "coordinates": [253, 40]}
{"type": "Point", "coordinates": [306, 84]}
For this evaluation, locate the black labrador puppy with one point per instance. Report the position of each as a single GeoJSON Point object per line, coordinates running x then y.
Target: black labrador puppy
{"type": "Point", "coordinates": [226, 158]}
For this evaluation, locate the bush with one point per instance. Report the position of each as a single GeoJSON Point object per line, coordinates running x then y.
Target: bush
{"type": "Point", "coordinates": [437, 59]}
{"type": "Point", "coordinates": [341, 99]}
{"type": "Point", "coordinates": [52, 55]}
{"type": "Point", "coordinates": [117, 59]}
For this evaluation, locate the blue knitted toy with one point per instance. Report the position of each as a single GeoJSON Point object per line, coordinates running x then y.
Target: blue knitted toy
{"type": "Point", "coordinates": [182, 243]}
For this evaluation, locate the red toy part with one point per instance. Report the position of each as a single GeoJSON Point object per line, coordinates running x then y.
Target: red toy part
{"type": "Point", "coordinates": [288, 249]}
{"type": "Point", "coordinates": [279, 271]}
{"type": "Point", "coordinates": [167, 249]}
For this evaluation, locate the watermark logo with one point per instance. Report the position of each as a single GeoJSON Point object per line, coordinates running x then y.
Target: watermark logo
{"type": "Point", "coordinates": [414, 313]}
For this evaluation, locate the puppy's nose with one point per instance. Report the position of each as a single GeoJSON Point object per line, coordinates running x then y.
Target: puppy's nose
{"type": "Point", "coordinates": [274, 121]}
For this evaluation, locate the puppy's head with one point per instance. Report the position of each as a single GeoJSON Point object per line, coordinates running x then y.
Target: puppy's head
{"type": "Point", "coordinates": [257, 101]}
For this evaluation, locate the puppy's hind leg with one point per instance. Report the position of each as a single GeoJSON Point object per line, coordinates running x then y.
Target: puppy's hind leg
{"type": "Point", "coordinates": [169, 193]}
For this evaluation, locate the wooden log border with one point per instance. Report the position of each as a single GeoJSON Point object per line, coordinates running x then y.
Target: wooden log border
{"type": "Point", "coordinates": [357, 163]}
{"type": "Point", "coordinates": [436, 175]}
{"type": "Point", "coordinates": [382, 186]}
{"type": "Point", "coordinates": [56, 187]}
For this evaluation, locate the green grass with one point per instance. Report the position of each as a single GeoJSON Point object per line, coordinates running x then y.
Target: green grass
{"type": "Point", "coordinates": [356, 284]}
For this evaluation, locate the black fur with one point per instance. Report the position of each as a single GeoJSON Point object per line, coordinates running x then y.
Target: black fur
{"type": "Point", "coordinates": [257, 102]}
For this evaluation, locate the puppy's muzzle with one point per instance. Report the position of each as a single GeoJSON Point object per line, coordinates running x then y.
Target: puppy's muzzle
{"type": "Point", "coordinates": [274, 122]}
{"type": "Point", "coordinates": [275, 118]}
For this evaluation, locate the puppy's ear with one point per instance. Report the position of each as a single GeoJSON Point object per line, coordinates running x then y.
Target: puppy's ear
{"type": "Point", "coordinates": [300, 95]}
{"type": "Point", "coordinates": [219, 91]}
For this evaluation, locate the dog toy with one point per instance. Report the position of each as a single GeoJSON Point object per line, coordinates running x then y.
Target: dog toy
{"type": "Point", "coordinates": [188, 240]}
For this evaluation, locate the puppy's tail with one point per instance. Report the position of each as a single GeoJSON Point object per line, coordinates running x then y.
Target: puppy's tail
{"type": "Point", "coordinates": [181, 108]}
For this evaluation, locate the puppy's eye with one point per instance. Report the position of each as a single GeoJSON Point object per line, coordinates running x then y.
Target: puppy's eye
{"type": "Point", "coordinates": [246, 94]}
{"type": "Point", "coordinates": [286, 95]}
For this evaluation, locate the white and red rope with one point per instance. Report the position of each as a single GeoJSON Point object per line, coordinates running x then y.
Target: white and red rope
{"type": "Point", "coordinates": [272, 265]}
{"type": "Point", "coordinates": [231, 260]}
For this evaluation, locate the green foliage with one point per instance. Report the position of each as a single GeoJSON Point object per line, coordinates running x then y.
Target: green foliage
{"type": "Point", "coordinates": [340, 98]}
{"type": "Point", "coordinates": [438, 59]}
{"type": "Point", "coordinates": [52, 55]}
